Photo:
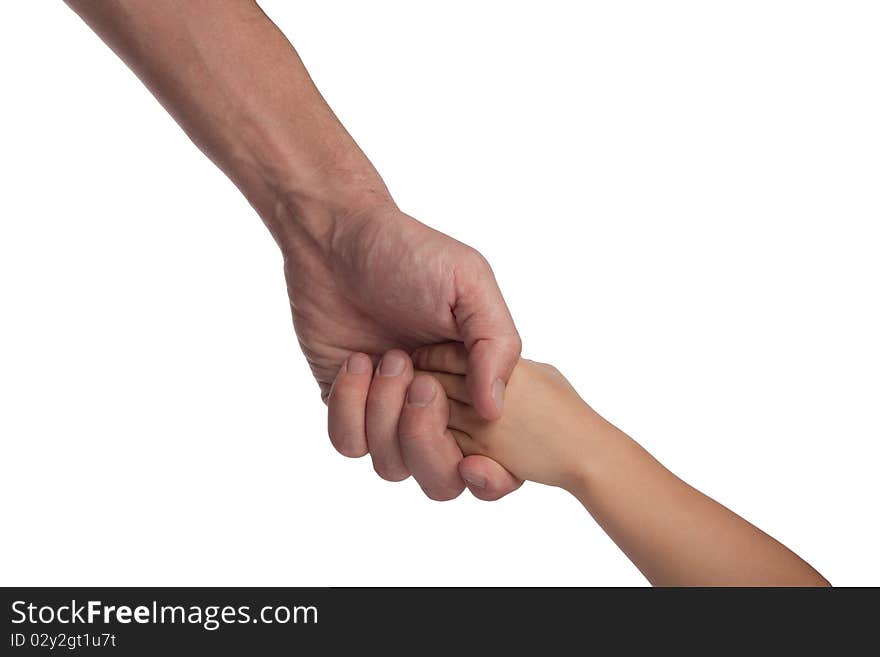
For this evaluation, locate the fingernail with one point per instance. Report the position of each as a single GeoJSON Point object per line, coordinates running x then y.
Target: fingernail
{"type": "Point", "coordinates": [392, 364]}
{"type": "Point", "coordinates": [474, 480]}
{"type": "Point", "coordinates": [359, 364]}
{"type": "Point", "coordinates": [498, 394]}
{"type": "Point", "coordinates": [421, 392]}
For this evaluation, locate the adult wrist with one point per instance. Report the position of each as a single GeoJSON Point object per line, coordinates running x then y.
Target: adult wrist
{"type": "Point", "coordinates": [314, 213]}
{"type": "Point", "coordinates": [301, 185]}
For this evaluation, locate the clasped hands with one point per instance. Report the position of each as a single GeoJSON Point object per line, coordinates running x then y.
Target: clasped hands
{"type": "Point", "coordinates": [367, 291]}
{"type": "Point", "coordinates": [399, 414]}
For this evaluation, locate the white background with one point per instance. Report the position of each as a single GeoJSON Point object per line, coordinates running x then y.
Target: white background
{"type": "Point", "coordinates": [680, 201]}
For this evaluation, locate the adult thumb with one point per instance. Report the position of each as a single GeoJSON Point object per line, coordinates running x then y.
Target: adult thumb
{"type": "Point", "coordinates": [491, 340]}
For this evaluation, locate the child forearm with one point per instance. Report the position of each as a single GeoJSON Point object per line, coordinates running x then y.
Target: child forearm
{"type": "Point", "coordinates": [675, 535]}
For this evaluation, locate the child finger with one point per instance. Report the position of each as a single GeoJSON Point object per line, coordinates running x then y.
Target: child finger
{"type": "Point", "coordinates": [466, 444]}
{"type": "Point", "coordinates": [454, 385]}
{"type": "Point", "coordinates": [450, 357]}
{"type": "Point", "coordinates": [464, 417]}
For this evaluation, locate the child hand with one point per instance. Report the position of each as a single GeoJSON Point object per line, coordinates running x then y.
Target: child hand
{"type": "Point", "coordinates": [541, 433]}
{"type": "Point", "coordinates": [673, 533]}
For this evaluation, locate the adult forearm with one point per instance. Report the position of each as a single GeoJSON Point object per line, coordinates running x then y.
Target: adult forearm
{"type": "Point", "coordinates": [238, 88]}
{"type": "Point", "coordinates": [675, 535]}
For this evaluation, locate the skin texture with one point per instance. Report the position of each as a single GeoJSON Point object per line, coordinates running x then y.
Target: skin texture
{"type": "Point", "coordinates": [363, 277]}
{"type": "Point", "coordinates": [674, 534]}
{"type": "Point", "coordinates": [405, 285]}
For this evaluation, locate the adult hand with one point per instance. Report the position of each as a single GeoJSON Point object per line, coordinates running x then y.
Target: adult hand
{"type": "Point", "coordinates": [380, 282]}
{"type": "Point", "coordinates": [363, 277]}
